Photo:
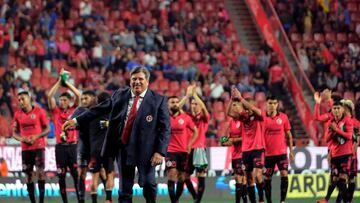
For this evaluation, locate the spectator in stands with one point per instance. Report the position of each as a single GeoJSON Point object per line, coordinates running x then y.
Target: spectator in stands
{"type": "Point", "coordinates": [4, 47]}
{"type": "Point", "coordinates": [259, 81]}
{"type": "Point", "coordinates": [169, 70]}
{"type": "Point", "coordinates": [63, 48]}
{"type": "Point", "coordinates": [304, 60]}
{"type": "Point", "coordinates": [244, 84]}
{"type": "Point", "coordinates": [24, 72]}
{"type": "Point", "coordinates": [331, 80]}
{"type": "Point", "coordinates": [39, 51]}
{"type": "Point", "coordinates": [244, 62]}
{"type": "Point", "coordinates": [262, 61]}
{"type": "Point", "coordinates": [216, 88]}
{"type": "Point", "coordinates": [5, 98]}
{"type": "Point", "coordinates": [85, 8]}
{"type": "Point", "coordinates": [276, 79]}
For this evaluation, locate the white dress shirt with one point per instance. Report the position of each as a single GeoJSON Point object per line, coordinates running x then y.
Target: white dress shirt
{"type": "Point", "coordinates": [131, 101]}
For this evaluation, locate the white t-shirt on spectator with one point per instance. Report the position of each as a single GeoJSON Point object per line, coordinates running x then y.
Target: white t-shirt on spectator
{"type": "Point", "coordinates": [150, 59]}
{"type": "Point", "coordinates": [85, 8]}
{"type": "Point", "coordinates": [24, 73]}
{"type": "Point", "coordinates": [97, 52]}
{"type": "Point", "coordinates": [216, 90]}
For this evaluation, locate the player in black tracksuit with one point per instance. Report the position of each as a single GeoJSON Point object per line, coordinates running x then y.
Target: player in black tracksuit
{"type": "Point", "coordinates": [98, 164]}
{"type": "Point", "coordinates": [88, 99]}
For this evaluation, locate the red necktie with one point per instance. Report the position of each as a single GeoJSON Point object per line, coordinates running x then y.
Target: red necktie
{"type": "Point", "coordinates": [131, 118]}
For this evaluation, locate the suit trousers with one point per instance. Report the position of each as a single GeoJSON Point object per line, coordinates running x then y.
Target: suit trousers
{"type": "Point", "coordinates": [127, 176]}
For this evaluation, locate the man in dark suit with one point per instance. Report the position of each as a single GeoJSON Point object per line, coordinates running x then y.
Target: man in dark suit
{"type": "Point", "coordinates": [138, 133]}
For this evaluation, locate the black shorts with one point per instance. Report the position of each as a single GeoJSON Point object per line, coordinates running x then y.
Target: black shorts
{"type": "Point", "coordinates": [83, 153]}
{"type": "Point", "coordinates": [31, 158]}
{"type": "Point", "coordinates": [281, 161]}
{"type": "Point", "coordinates": [176, 160]}
{"type": "Point", "coordinates": [238, 167]}
{"type": "Point", "coordinates": [65, 155]}
{"type": "Point", "coordinates": [341, 164]}
{"type": "Point", "coordinates": [253, 159]}
{"type": "Point", "coordinates": [190, 165]}
{"type": "Point", "coordinates": [97, 162]}
{"type": "Point", "coordinates": [353, 167]}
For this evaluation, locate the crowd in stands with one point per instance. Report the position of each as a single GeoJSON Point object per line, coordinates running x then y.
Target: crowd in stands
{"type": "Point", "coordinates": [325, 36]}
{"type": "Point", "coordinates": [180, 42]}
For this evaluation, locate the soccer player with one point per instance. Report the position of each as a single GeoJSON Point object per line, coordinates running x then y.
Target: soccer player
{"type": "Point", "coordinates": [339, 132]}
{"type": "Point", "coordinates": [183, 136]}
{"type": "Point", "coordinates": [235, 140]}
{"type": "Point", "coordinates": [88, 99]}
{"type": "Point", "coordinates": [324, 118]}
{"type": "Point", "coordinates": [66, 142]}
{"type": "Point", "coordinates": [197, 158]}
{"type": "Point", "coordinates": [349, 109]}
{"type": "Point", "coordinates": [30, 126]}
{"type": "Point", "coordinates": [276, 133]}
{"type": "Point", "coordinates": [98, 164]}
{"type": "Point", "coordinates": [252, 144]}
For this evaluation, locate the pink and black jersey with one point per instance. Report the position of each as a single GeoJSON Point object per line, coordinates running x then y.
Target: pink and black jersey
{"type": "Point", "coordinates": [30, 124]}
{"type": "Point", "coordinates": [181, 132]}
{"type": "Point", "coordinates": [202, 123]}
{"type": "Point", "coordinates": [252, 132]}
{"type": "Point", "coordinates": [275, 129]}
{"type": "Point", "coordinates": [235, 132]}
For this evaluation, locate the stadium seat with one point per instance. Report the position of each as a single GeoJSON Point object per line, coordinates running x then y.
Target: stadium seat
{"type": "Point", "coordinates": [341, 37]}
{"type": "Point", "coordinates": [164, 84]}
{"type": "Point", "coordinates": [296, 37]}
{"type": "Point", "coordinates": [191, 46]}
{"type": "Point", "coordinates": [319, 37]}
{"type": "Point", "coordinates": [349, 95]}
{"type": "Point", "coordinates": [308, 37]}
{"type": "Point", "coordinates": [175, 86]}
{"type": "Point", "coordinates": [330, 37]}
{"type": "Point", "coordinates": [352, 6]}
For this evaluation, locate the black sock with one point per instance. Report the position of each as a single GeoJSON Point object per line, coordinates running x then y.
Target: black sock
{"type": "Point", "coordinates": [81, 189]}
{"type": "Point", "coordinates": [62, 185]}
{"type": "Point", "coordinates": [330, 189]}
{"type": "Point", "coordinates": [201, 188]}
{"type": "Point", "coordinates": [244, 193]}
{"type": "Point", "coordinates": [284, 187]}
{"type": "Point", "coordinates": [94, 197]}
{"type": "Point", "coordinates": [341, 184]}
{"type": "Point", "coordinates": [31, 191]}
{"type": "Point", "coordinates": [338, 198]}
{"type": "Point", "coordinates": [41, 186]}
{"type": "Point", "coordinates": [108, 195]}
{"type": "Point", "coordinates": [260, 188]}
{"type": "Point", "coordinates": [267, 188]}
{"type": "Point", "coordinates": [190, 187]}
{"type": "Point", "coordinates": [171, 185]}
{"type": "Point", "coordinates": [238, 192]}
{"type": "Point", "coordinates": [179, 189]}
{"type": "Point", "coordinates": [76, 185]}
{"type": "Point", "coordinates": [251, 191]}
{"type": "Point", "coordinates": [351, 189]}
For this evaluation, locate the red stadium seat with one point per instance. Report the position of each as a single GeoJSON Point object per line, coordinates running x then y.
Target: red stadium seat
{"type": "Point", "coordinates": [185, 56]}
{"type": "Point", "coordinates": [115, 15]}
{"type": "Point", "coordinates": [179, 46]}
{"type": "Point", "coordinates": [341, 37]}
{"type": "Point", "coordinates": [184, 84]}
{"type": "Point", "coordinates": [296, 37]}
{"type": "Point", "coordinates": [198, 6]}
{"type": "Point", "coordinates": [349, 95]}
{"type": "Point", "coordinates": [330, 37]}
{"type": "Point", "coordinates": [352, 6]}
{"type": "Point", "coordinates": [164, 84]}
{"type": "Point", "coordinates": [307, 37]}
{"type": "Point", "coordinates": [319, 37]}
{"type": "Point", "coordinates": [191, 46]}
{"type": "Point", "coordinates": [175, 86]}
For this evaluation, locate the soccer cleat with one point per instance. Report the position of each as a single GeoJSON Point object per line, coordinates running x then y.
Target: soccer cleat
{"type": "Point", "coordinates": [322, 201]}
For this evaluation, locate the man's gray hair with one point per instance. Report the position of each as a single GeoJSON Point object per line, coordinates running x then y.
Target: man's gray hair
{"type": "Point", "coordinates": [140, 69]}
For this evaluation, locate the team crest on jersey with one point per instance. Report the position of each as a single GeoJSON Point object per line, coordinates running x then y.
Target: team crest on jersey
{"type": "Point", "coordinates": [181, 121]}
{"type": "Point", "coordinates": [149, 118]}
{"type": "Point", "coordinates": [238, 125]}
{"type": "Point", "coordinates": [278, 121]}
{"type": "Point", "coordinates": [33, 116]}
{"type": "Point", "coordinates": [169, 163]}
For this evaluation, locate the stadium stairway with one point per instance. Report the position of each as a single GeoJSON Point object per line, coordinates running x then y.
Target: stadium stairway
{"type": "Point", "coordinates": [251, 39]}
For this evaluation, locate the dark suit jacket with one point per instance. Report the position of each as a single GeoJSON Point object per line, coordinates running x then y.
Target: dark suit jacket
{"type": "Point", "coordinates": [150, 132]}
